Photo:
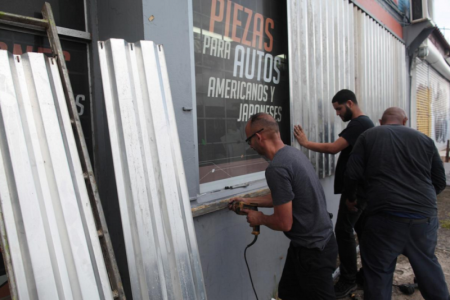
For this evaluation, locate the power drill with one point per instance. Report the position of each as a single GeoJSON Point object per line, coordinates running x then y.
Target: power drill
{"type": "Point", "coordinates": [238, 206]}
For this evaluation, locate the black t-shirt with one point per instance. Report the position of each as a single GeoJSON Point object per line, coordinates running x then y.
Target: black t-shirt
{"type": "Point", "coordinates": [350, 134]}
{"type": "Point", "coordinates": [401, 169]}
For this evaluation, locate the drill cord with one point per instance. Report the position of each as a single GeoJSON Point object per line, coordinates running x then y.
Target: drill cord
{"type": "Point", "coordinates": [245, 257]}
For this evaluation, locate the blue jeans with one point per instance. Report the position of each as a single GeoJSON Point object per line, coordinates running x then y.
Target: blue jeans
{"type": "Point", "coordinates": [385, 238]}
{"type": "Point", "coordinates": [307, 273]}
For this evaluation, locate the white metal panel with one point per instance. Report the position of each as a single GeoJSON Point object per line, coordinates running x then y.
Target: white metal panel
{"type": "Point", "coordinates": [51, 234]}
{"type": "Point", "coordinates": [162, 253]}
{"type": "Point", "coordinates": [334, 45]}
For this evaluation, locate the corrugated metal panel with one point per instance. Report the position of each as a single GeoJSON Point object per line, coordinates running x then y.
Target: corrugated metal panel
{"type": "Point", "coordinates": [333, 45]}
{"type": "Point", "coordinates": [433, 103]}
{"type": "Point", "coordinates": [380, 74]}
{"type": "Point", "coordinates": [50, 230]}
{"type": "Point", "coordinates": [161, 245]}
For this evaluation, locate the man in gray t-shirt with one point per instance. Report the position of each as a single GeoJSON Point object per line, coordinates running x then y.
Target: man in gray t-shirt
{"type": "Point", "coordinates": [300, 211]}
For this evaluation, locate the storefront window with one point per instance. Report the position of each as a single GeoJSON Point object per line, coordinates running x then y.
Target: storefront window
{"type": "Point", "coordinates": [67, 13]}
{"type": "Point", "coordinates": [241, 66]}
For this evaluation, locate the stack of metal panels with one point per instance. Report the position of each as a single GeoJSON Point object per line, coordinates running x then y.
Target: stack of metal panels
{"type": "Point", "coordinates": [48, 230]}
{"type": "Point", "coordinates": [162, 252]}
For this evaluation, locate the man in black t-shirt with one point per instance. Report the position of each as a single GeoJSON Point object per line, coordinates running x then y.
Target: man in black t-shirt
{"type": "Point", "coordinates": [405, 173]}
{"type": "Point", "coordinates": [346, 106]}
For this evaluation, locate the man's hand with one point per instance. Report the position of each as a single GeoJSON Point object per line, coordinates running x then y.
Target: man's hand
{"type": "Point", "coordinates": [351, 205]}
{"type": "Point", "coordinates": [254, 218]}
{"type": "Point", "coordinates": [234, 199]}
{"type": "Point", "coordinates": [300, 135]}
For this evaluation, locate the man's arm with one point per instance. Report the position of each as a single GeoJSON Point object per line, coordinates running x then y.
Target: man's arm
{"type": "Point", "coordinates": [261, 201]}
{"type": "Point", "coordinates": [355, 168]}
{"type": "Point", "coordinates": [437, 173]}
{"type": "Point", "coordinates": [281, 219]}
{"type": "Point", "coordinates": [332, 148]}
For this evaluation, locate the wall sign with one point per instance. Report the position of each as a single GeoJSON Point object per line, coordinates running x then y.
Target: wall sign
{"type": "Point", "coordinates": [241, 66]}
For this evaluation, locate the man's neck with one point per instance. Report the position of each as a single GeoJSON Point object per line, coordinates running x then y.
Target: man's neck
{"type": "Point", "coordinates": [357, 113]}
{"type": "Point", "coordinates": [392, 123]}
{"type": "Point", "coordinates": [275, 147]}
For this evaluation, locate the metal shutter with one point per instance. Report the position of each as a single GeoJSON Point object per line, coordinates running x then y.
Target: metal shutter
{"type": "Point", "coordinates": [423, 98]}
{"type": "Point", "coordinates": [433, 108]}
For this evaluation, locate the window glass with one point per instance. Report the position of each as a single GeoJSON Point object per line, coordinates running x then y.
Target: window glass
{"type": "Point", "coordinates": [67, 13]}
{"type": "Point", "coordinates": [241, 68]}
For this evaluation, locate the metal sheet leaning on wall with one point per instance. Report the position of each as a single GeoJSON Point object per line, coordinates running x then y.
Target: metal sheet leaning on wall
{"type": "Point", "coordinates": [161, 245]}
{"type": "Point", "coordinates": [50, 229]}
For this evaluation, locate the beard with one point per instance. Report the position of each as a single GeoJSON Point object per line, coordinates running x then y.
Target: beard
{"type": "Point", "coordinates": [348, 114]}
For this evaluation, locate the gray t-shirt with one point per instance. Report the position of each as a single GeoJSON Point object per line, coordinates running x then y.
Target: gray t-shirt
{"type": "Point", "coordinates": [291, 177]}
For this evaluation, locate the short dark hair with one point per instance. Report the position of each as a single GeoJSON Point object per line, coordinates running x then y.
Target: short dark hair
{"type": "Point", "coordinates": [343, 96]}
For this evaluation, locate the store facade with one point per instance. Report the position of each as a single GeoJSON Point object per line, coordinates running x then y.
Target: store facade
{"type": "Point", "coordinates": [227, 60]}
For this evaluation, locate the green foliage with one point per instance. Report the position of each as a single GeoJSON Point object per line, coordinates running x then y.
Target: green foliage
{"type": "Point", "coordinates": [445, 224]}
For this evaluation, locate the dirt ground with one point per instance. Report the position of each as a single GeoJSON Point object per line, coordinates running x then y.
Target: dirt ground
{"type": "Point", "coordinates": [404, 273]}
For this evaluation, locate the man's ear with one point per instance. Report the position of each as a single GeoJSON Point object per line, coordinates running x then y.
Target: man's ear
{"type": "Point", "coordinates": [259, 136]}
{"type": "Point", "coordinates": [404, 121]}
{"type": "Point", "coordinates": [349, 103]}
{"type": "Point", "coordinates": [381, 121]}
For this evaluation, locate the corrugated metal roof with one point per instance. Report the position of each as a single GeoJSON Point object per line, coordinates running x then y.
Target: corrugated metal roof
{"type": "Point", "coordinates": [162, 253]}
{"type": "Point", "coordinates": [50, 234]}
{"type": "Point", "coordinates": [334, 45]}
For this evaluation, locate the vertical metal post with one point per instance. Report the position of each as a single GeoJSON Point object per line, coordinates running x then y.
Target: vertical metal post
{"type": "Point", "coordinates": [91, 185]}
